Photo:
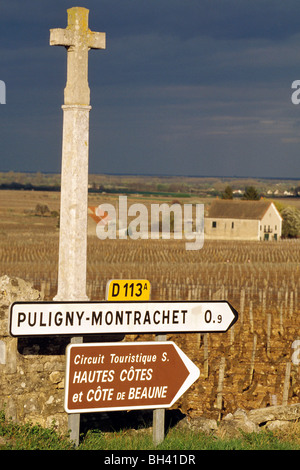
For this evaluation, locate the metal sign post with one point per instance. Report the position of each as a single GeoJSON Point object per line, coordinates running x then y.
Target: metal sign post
{"type": "Point", "coordinates": [124, 289]}
{"type": "Point", "coordinates": [159, 414]}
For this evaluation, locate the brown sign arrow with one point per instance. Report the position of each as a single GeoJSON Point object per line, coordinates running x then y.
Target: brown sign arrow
{"type": "Point", "coordinates": [126, 376]}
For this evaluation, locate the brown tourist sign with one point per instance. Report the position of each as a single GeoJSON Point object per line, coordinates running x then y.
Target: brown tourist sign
{"type": "Point", "coordinates": [126, 376]}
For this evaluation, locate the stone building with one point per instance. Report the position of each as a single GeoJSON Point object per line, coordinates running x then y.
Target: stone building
{"type": "Point", "coordinates": [243, 220]}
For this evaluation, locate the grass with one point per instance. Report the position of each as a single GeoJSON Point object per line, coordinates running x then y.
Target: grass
{"type": "Point", "coordinates": [177, 440]}
{"type": "Point", "coordinates": [14, 436]}
{"type": "Point", "coordinates": [28, 436]}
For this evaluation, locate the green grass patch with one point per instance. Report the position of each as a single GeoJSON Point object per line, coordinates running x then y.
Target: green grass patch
{"type": "Point", "coordinates": [179, 440]}
{"type": "Point", "coordinates": [30, 436]}
{"type": "Point", "coordinates": [14, 436]}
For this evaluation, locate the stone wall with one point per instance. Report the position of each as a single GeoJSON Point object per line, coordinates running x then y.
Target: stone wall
{"type": "Point", "coordinates": [223, 230]}
{"type": "Point", "coordinates": [272, 418]}
{"type": "Point", "coordinates": [31, 370]}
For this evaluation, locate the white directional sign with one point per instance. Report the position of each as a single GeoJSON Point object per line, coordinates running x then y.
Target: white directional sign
{"type": "Point", "coordinates": [83, 318]}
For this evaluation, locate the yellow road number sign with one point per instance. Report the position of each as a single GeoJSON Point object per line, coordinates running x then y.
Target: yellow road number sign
{"type": "Point", "coordinates": [128, 289]}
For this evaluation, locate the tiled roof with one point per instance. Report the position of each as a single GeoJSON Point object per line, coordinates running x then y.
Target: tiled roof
{"type": "Point", "coordinates": [231, 209]}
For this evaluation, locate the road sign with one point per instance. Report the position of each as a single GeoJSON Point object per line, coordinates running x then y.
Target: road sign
{"type": "Point", "coordinates": [84, 318]}
{"type": "Point", "coordinates": [128, 289]}
{"type": "Point", "coordinates": [126, 376]}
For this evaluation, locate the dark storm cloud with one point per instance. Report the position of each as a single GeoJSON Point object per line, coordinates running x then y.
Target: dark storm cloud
{"type": "Point", "coordinates": [220, 19]}
{"type": "Point", "coordinates": [184, 86]}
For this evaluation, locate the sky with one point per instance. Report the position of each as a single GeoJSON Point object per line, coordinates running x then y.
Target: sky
{"type": "Point", "coordinates": [184, 87]}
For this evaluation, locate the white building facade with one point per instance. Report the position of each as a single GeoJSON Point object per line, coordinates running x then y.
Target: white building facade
{"type": "Point", "coordinates": [243, 220]}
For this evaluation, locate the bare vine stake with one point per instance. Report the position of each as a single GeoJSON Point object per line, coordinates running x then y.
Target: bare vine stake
{"type": "Point", "coordinates": [205, 365]}
{"type": "Point", "coordinates": [251, 316]}
{"type": "Point", "coordinates": [286, 299]}
{"type": "Point", "coordinates": [269, 319]}
{"type": "Point", "coordinates": [291, 304]}
{"type": "Point", "coordinates": [242, 305]}
{"type": "Point", "coordinates": [252, 359]}
{"type": "Point", "coordinates": [281, 319]}
{"type": "Point", "coordinates": [220, 386]}
{"type": "Point", "coordinates": [264, 294]}
{"type": "Point", "coordinates": [232, 337]}
{"type": "Point", "coordinates": [286, 385]}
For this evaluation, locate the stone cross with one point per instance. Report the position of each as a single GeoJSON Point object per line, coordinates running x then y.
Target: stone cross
{"type": "Point", "coordinates": [78, 39]}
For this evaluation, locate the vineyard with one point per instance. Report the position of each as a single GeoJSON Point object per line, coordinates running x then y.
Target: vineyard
{"type": "Point", "coordinates": [251, 365]}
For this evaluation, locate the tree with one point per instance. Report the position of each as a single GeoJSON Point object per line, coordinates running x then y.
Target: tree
{"type": "Point", "coordinates": [42, 210]}
{"type": "Point", "coordinates": [251, 193]}
{"type": "Point", "coordinates": [227, 194]}
{"type": "Point", "coordinates": [297, 191]}
{"type": "Point", "coordinates": [291, 222]}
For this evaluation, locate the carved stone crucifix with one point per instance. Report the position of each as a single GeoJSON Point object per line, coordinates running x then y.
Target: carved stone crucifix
{"type": "Point", "coordinates": [78, 39]}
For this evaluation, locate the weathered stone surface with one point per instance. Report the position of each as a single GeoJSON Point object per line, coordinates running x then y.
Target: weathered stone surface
{"type": "Point", "coordinates": [233, 424]}
{"type": "Point", "coordinates": [78, 39]}
{"type": "Point", "coordinates": [31, 375]}
{"type": "Point", "coordinates": [239, 422]}
{"type": "Point", "coordinates": [14, 288]}
{"type": "Point", "coordinates": [273, 413]}
{"type": "Point", "coordinates": [277, 425]}
{"type": "Point", "coordinates": [11, 290]}
{"type": "Point", "coordinates": [205, 425]}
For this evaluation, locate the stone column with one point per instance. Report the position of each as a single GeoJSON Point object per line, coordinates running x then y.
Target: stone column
{"type": "Point", "coordinates": [74, 202]}
{"type": "Point", "coordinates": [78, 40]}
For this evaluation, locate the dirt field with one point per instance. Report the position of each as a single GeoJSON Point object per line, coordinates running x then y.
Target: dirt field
{"type": "Point", "coordinates": [260, 279]}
